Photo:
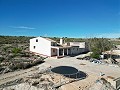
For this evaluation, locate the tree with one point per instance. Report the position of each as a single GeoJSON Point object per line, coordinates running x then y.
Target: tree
{"type": "Point", "coordinates": [99, 45]}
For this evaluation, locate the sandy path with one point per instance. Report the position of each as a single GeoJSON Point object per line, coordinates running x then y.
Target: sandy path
{"type": "Point", "coordinates": [20, 74]}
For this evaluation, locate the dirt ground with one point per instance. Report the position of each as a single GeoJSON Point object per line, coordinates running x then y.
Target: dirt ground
{"type": "Point", "coordinates": [91, 69]}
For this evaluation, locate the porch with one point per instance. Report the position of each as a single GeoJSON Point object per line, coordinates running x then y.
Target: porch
{"type": "Point", "coordinates": [60, 51]}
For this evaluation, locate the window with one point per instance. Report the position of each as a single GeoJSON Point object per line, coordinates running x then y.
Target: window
{"type": "Point", "coordinates": [34, 47]}
{"type": "Point", "coordinates": [53, 50]}
{"type": "Point", "coordinates": [53, 44]}
{"type": "Point", "coordinates": [36, 40]}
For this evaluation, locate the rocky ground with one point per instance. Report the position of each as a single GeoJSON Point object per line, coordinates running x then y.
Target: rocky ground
{"type": "Point", "coordinates": [91, 69]}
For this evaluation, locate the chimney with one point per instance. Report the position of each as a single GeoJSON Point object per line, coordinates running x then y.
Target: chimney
{"type": "Point", "coordinates": [61, 41]}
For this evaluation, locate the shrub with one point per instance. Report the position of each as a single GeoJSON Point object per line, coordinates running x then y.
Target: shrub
{"type": "Point", "coordinates": [10, 57]}
{"type": "Point", "coordinates": [23, 54]}
{"type": "Point", "coordinates": [1, 59]}
{"type": "Point", "coordinates": [95, 55]}
{"type": "Point", "coordinates": [17, 66]}
{"type": "Point", "coordinates": [20, 65]}
{"type": "Point", "coordinates": [13, 67]}
{"type": "Point", "coordinates": [16, 50]}
{"type": "Point", "coordinates": [27, 65]}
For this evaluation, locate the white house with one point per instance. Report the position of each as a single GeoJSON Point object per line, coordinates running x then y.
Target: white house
{"type": "Point", "coordinates": [51, 48]}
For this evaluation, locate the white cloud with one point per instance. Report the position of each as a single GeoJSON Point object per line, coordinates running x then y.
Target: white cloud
{"type": "Point", "coordinates": [21, 27]}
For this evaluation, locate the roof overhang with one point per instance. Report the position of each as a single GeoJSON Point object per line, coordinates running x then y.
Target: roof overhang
{"type": "Point", "coordinates": [60, 47]}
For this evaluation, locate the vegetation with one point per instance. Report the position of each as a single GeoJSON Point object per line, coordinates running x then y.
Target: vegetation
{"type": "Point", "coordinates": [68, 39]}
{"type": "Point", "coordinates": [14, 39]}
{"type": "Point", "coordinates": [99, 45]}
{"type": "Point", "coordinates": [16, 51]}
{"type": "Point", "coordinates": [11, 46]}
{"type": "Point", "coordinates": [13, 58]}
{"type": "Point", "coordinates": [14, 54]}
{"type": "Point", "coordinates": [115, 42]}
{"type": "Point", "coordinates": [96, 45]}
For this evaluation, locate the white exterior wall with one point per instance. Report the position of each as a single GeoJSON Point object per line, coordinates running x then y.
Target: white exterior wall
{"type": "Point", "coordinates": [79, 47]}
{"type": "Point", "coordinates": [43, 46]}
{"type": "Point", "coordinates": [75, 50]}
{"type": "Point", "coordinates": [62, 41]}
{"type": "Point", "coordinates": [74, 43]}
{"type": "Point", "coordinates": [82, 45]}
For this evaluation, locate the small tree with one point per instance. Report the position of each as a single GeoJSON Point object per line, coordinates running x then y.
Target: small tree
{"type": "Point", "coordinates": [16, 51]}
{"type": "Point", "coordinates": [95, 55]}
{"type": "Point", "coordinates": [99, 45]}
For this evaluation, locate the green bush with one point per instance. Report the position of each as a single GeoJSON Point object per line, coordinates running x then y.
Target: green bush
{"type": "Point", "coordinates": [16, 51]}
{"type": "Point", "coordinates": [95, 55]}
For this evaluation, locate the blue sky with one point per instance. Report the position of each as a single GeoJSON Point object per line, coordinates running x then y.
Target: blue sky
{"type": "Point", "coordinates": [61, 18]}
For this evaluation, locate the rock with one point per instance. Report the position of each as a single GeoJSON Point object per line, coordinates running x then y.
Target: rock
{"type": "Point", "coordinates": [35, 83]}
{"type": "Point", "coordinates": [42, 79]}
{"type": "Point", "coordinates": [7, 69]}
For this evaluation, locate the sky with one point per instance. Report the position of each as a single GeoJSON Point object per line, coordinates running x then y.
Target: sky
{"type": "Point", "coordinates": [60, 18]}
